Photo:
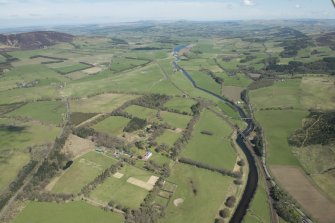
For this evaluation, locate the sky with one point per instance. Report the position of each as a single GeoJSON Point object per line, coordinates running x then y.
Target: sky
{"type": "Point", "coordinates": [15, 13]}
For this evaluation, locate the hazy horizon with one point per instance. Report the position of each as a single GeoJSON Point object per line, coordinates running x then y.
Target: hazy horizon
{"type": "Point", "coordinates": [23, 13]}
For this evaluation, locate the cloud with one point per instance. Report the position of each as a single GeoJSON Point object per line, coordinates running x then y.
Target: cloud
{"type": "Point", "coordinates": [248, 2]}
{"type": "Point", "coordinates": [297, 6]}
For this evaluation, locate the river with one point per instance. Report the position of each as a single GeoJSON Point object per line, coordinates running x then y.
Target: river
{"type": "Point", "coordinates": [252, 181]}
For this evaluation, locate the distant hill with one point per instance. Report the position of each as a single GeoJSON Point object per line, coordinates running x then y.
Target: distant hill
{"type": "Point", "coordinates": [34, 40]}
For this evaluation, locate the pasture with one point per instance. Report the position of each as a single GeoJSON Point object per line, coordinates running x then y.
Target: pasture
{"type": "Point", "coordinates": [45, 111]}
{"type": "Point", "coordinates": [72, 212]}
{"type": "Point", "coordinates": [19, 135]}
{"type": "Point", "coordinates": [84, 169]}
{"type": "Point", "coordinates": [141, 80]}
{"type": "Point", "coordinates": [198, 191]}
{"type": "Point", "coordinates": [142, 112]}
{"type": "Point", "coordinates": [72, 68]}
{"type": "Point", "coordinates": [259, 210]}
{"type": "Point", "coordinates": [101, 103]}
{"type": "Point", "coordinates": [277, 126]}
{"type": "Point", "coordinates": [180, 104]}
{"type": "Point", "coordinates": [168, 137]}
{"type": "Point", "coordinates": [175, 120]}
{"type": "Point", "coordinates": [214, 149]}
{"type": "Point", "coordinates": [15, 138]}
{"type": "Point", "coordinates": [112, 125]}
{"type": "Point", "coordinates": [121, 189]}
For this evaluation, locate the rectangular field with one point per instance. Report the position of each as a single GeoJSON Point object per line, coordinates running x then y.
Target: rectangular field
{"type": "Point", "coordinates": [84, 169]}
{"type": "Point", "coordinates": [72, 212]}
{"type": "Point", "coordinates": [277, 126]}
{"type": "Point", "coordinates": [113, 125]}
{"type": "Point", "coordinates": [46, 111]}
{"type": "Point", "coordinates": [198, 195]}
{"type": "Point", "coordinates": [100, 103]}
{"type": "Point", "coordinates": [168, 137]}
{"type": "Point", "coordinates": [214, 149]}
{"type": "Point", "coordinates": [120, 189]}
{"type": "Point", "coordinates": [175, 120]}
{"type": "Point", "coordinates": [180, 104]}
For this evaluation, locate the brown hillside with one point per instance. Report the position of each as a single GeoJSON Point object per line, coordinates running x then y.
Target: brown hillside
{"type": "Point", "coordinates": [34, 40]}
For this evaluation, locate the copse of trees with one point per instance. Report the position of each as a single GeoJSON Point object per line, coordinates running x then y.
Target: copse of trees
{"type": "Point", "coordinates": [319, 128]}
{"type": "Point", "coordinates": [257, 142]}
{"type": "Point", "coordinates": [284, 205]}
{"type": "Point", "coordinates": [135, 124]}
{"type": "Point", "coordinates": [152, 100]}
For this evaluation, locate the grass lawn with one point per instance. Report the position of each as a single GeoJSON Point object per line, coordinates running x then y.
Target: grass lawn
{"type": "Point", "coordinates": [100, 103]}
{"type": "Point", "coordinates": [120, 191]}
{"type": "Point", "coordinates": [83, 170]}
{"type": "Point", "coordinates": [112, 125]}
{"type": "Point", "coordinates": [180, 104]}
{"type": "Point", "coordinates": [168, 137]}
{"type": "Point", "coordinates": [174, 119]}
{"type": "Point", "coordinates": [72, 212]}
{"type": "Point", "coordinates": [213, 149]}
{"type": "Point", "coordinates": [277, 126]}
{"type": "Point", "coordinates": [45, 111]}
{"type": "Point", "coordinates": [211, 189]}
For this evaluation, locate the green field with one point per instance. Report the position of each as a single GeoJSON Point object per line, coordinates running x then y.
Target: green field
{"type": "Point", "coordinates": [120, 191]}
{"type": "Point", "coordinates": [18, 135]}
{"type": "Point", "coordinates": [46, 111]}
{"type": "Point", "coordinates": [15, 138]}
{"type": "Point", "coordinates": [180, 104]}
{"type": "Point", "coordinates": [84, 169]}
{"type": "Point", "coordinates": [121, 64]}
{"type": "Point", "coordinates": [11, 162]}
{"type": "Point", "coordinates": [213, 149]}
{"type": "Point", "coordinates": [148, 79]}
{"type": "Point", "coordinates": [28, 73]}
{"type": "Point", "coordinates": [72, 68]}
{"type": "Point", "coordinates": [205, 81]}
{"type": "Point", "coordinates": [211, 189]}
{"type": "Point", "coordinates": [142, 112]}
{"type": "Point", "coordinates": [112, 125]}
{"type": "Point", "coordinates": [259, 210]}
{"type": "Point", "coordinates": [100, 103]}
{"type": "Point", "coordinates": [277, 126]}
{"type": "Point", "coordinates": [175, 120]}
{"type": "Point", "coordinates": [73, 212]}
{"type": "Point", "coordinates": [282, 94]}
{"type": "Point", "coordinates": [168, 137]}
